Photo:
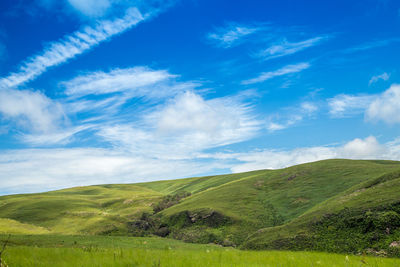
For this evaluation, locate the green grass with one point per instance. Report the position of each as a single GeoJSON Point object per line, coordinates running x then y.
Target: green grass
{"type": "Point", "coordinates": [35, 257]}
{"type": "Point", "coordinates": [81, 241]}
{"type": "Point", "coordinates": [290, 191]}
{"type": "Point", "coordinates": [374, 196]}
{"type": "Point", "coordinates": [274, 198]}
{"type": "Point", "coordinates": [58, 250]}
{"type": "Point", "coordinates": [80, 210]}
{"type": "Point", "coordinates": [8, 226]}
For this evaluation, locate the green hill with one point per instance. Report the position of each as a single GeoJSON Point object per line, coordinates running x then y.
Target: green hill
{"type": "Point", "coordinates": [332, 205]}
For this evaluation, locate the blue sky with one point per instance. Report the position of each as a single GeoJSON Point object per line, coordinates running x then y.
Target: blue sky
{"type": "Point", "coordinates": [122, 91]}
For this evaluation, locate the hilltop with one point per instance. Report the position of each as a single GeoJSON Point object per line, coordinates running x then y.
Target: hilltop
{"type": "Point", "coordinates": [333, 205]}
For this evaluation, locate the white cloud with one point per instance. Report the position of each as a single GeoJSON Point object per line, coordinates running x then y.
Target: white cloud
{"type": "Point", "coordinates": [293, 116]}
{"type": "Point", "coordinates": [58, 137]}
{"type": "Point", "coordinates": [136, 79]}
{"type": "Point", "coordinates": [179, 119]}
{"type": "Point", "coordinates": [109, 105]}
{"type": "Point", "coordinates": [190, 112]}
{"type": "Point", "coordinates": [380, 107]}
{"type": "Point", "coordinates": [31, 110]}
{"type": "Point", "coordinates": [105, 93]}
{"type": "Point", "coordinates": [98, 98]}
{"type": "Point", "coordinates": [386, 106]}
{"type": "Point", "coordinates": [285, 123]}
{"type": "Point", "coordinates": [51, 169]}
{"type": "Point", "coordinates": [274, 126]}
{"type": "Point", "coordinates": [91, 8]}
{"type": "Point", "coordinates": [185, 125]}
{"type": "Point", "coordinates": [280, 72]}
{"type": "Point", "coordinates": [346, 105]}
{"type": "Point", "coordinates": [71, 46]}
{"type": "Point", "coordinates": [272, 159]}
{"type": "Point", "coordinates": [232, 34]}
{"type": "Point", "coordinates": [308, 107]}
{"type": "Point", "coordinates": [368, 148]}
{"type": "Point", "coordinates": [384, 76]}
{"type": "Point", "coordinates": [287, 48]}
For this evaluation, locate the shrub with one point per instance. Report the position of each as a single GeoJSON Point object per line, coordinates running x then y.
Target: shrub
{"type": "Point", "coordinates": [169, 201]}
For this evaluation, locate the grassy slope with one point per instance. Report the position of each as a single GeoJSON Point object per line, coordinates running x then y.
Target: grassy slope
{"type": "Point", "coordinates": [265, 199]}
{"type": "Point", "coordinates": [197, 184]}
{"type": "Point", "coordinates": [363, 203]}
{"type": "Point", "coordinates": [8, 226]}
{"type": "Point", "coordinates": [283, 202]}
{"type": "Point", "coordinates": [93, 209]}
{"type": "Point", "coordinates": [80, 210]}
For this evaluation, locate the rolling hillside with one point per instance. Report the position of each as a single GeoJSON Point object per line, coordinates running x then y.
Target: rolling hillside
{"type": "Point", "coordinates": [332, 205]}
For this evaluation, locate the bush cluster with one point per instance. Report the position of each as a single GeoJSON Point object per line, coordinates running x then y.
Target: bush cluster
{"type": "Point", "coordinates": [169, 201]}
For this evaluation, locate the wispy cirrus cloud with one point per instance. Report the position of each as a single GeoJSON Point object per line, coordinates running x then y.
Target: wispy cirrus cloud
{"type": "Point", "coordinates": [288, 69]}
{"type": "Point", "coordinates": [136, 79]}
{"type": "Point", "coordinates": [345, 105]}
{"type": "Point", "coordinates": [91, 8]}
{"type": "Point", "coordinates": [292, 116]}
{"type": "Point", "coordinates": [384, 76]}
{"type": "Point", "coordinates": [372, 45]}
{"type": "Point", "coordinates": [106, 92]}
{"type": "Point", "coordinates": [61, 136]}
{"type": "Point", "coordinates": [285, 48]}
{"type": "Point", "coordinates": [94, 9]}
{"type": "Point", "coordinates": [232, 34]}
{"type": "Point", "coordinates": [70, 46]}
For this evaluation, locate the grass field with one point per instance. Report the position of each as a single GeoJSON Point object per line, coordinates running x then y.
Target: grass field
{"type": "Point", "coordinates": [342, 206]}
{"type": "Point", "coordinates": [55, 250]}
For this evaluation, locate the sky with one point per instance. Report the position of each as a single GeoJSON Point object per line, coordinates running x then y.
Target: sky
{"type": "Point", "coordinates": [125, 91]}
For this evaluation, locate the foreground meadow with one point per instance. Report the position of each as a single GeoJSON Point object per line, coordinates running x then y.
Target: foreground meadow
{"type": "Point", "coordinates": [35, 256]}
{"type": "Point", "coordinates": [46, 250]}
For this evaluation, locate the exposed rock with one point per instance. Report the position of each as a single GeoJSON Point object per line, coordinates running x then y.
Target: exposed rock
{"type": "Point", "coordinates": [379, 253]}
{"type": "Point", "coordinates": [395, 244]}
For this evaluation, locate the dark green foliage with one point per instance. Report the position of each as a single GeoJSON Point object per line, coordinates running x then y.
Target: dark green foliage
{"type": "Point", "coordinates": [270, 218]}
{"type": "Point", "coordinates": [205, 217]}
{"type": "Point", "coordinates": [148, 224]}
{"type": "Point", "coordinates": [350, 230]}
{"type": "Point", "coordinates": [200, 226]}
{"type": "Point", "coordinates": [179, 220]}
{"type": "Point", "coordinates": [169, 201]}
